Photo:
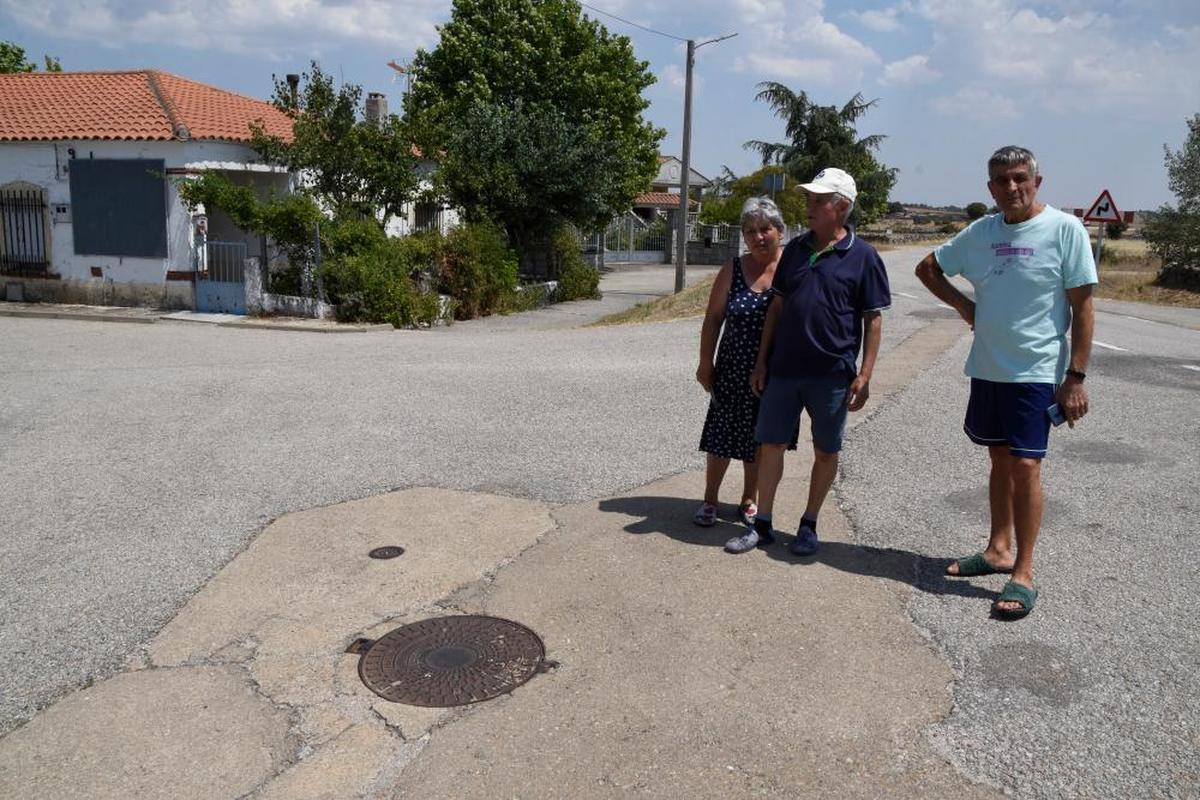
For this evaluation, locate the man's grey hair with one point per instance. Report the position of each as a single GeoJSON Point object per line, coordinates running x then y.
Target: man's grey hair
{"type": "Point", "coordinates": [762, 209]}
{"type": "Point", "coordinates": [849, 205]}
{"type": "Point", "coordinates": [1011, 155]}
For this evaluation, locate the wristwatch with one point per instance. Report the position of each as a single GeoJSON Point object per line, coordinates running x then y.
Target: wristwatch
{"type": "Point", "coordinates": [1076, 374]}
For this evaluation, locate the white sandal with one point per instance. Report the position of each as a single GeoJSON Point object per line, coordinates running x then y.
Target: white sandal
{"type": "Point", "coordinates": [706, 515]}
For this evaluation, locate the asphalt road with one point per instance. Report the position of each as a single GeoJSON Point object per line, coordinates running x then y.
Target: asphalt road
{"type": "Point", "coordinates": [1097, 693]}
{"type": "Point", "coordinates": [135, 461]}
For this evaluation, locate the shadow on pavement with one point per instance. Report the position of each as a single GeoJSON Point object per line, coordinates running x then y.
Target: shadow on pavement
{"type": "Point", "coordinates": [672, 516]}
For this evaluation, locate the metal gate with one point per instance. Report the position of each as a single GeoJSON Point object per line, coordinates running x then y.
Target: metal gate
{"type": "Point", "coordinates": [220, 278]}
{"type": "Point", "coordinates": [630, 239]}
{"type": "Point", "coordinates": [23, 223]}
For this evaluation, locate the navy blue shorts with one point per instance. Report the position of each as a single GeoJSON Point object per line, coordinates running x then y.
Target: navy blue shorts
{"type": "Point", "coordinates": [823, 398]}
{"type": "Point", "coordinates": [1012, 414]}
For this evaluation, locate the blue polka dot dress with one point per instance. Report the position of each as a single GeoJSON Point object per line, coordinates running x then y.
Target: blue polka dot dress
{"type": "Point", "coordinates": [733, 411]}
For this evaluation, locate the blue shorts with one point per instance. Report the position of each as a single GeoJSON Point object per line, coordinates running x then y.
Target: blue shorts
{"type": "Point", "coordinates": [823, 398]}
{"type": "Point", "coordinates": [1012, 414]}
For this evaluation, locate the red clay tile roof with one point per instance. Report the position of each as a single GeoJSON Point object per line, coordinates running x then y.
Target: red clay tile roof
{"type": "Point", "coordinates": [660, 200]}
{"type": "Point", "coordinates": [139, 104]}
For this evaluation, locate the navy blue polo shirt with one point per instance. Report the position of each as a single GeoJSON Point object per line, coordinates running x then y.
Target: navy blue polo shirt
{"type": "Point", "coordinates": [820, 327]}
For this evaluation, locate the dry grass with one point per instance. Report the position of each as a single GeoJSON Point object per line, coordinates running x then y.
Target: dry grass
{"type": "Point", "coordinates": [1127, 272]}
{"type": "Point", "coordinates": [691, 302]}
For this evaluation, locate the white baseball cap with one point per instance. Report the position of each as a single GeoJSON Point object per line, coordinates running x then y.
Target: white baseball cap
{"type": "Point", "coordinates": [832, 180]}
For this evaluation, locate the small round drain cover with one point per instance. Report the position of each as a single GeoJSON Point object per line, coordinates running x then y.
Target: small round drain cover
{"type": "Point", "coordinates": [388, 551]}
{"type": "Point", "coordinates": [451, 661]}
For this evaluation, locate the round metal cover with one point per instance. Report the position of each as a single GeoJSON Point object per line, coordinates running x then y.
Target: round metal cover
{"type": "Point", "coordinates": [387, 551]}
{"type": "Point", "coordinates": [451, 661]}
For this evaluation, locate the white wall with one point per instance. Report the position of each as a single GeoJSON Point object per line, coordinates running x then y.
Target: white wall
{"type": "Point", "coordinates": [40, 163]}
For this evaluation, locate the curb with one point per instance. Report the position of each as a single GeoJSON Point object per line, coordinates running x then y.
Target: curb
{"type": "Point", "coordinates": [81, 316]}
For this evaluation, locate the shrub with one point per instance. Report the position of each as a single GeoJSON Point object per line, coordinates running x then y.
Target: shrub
{"type": "Point", "coordinates": [576, 279]}
{"type": "Point", "coordinates": [376, 285]}
{"type": "Point", "coordinates": [1115, 230]}
{"type": "Point", "coordinates": [478, 269]}
{"type": "Point", "coordinates": [949, 228]}
{"type": "Point", "coordinates": [976, 210]}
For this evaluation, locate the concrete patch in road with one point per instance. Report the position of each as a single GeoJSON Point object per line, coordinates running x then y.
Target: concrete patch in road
{"type": "Point", "coordinates": [688, 672]}
{"type": "Point", "coordinates": [248, 689]}
{"type": "Point", "coordinates": [195, 732]}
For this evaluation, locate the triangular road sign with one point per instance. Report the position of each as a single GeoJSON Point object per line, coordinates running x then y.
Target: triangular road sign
{"type": "Point", "coordinates": [1103, 210]}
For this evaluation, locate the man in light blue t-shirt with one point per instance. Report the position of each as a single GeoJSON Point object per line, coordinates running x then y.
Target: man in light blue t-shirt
{"type": "Point", "coordinates": [1033, 273]}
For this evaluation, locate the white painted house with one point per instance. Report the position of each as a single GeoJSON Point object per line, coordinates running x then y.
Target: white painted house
{"type": "Point", "coordinates": [89, 168]}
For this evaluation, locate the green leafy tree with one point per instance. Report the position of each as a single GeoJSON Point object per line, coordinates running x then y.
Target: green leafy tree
{"type": "Point", "coordinates": [351, 166]}
{"type": "Point", "coordinates": [12, 59]}
{"type": "Point", "coordinates": [825, 136]}
{"type": "Point", "coordinates": [976, 210]}
{"type": "Point", "coordinates": [1115, 230]}
{"type": "Point", "coordinates": [534, 113]}
{"type": "Point", "coordinates": [1174, 232]}
{"type": "Point", "coordinates": [728, 207]}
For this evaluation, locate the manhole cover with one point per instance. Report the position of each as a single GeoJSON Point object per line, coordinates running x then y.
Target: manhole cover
{"type": "Point", "coordinates": [451, 661]}
{"type": "Point", "coordinates": [390, 551]}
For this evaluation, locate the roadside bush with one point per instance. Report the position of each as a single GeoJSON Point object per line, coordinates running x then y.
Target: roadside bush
{"type": "Point", "coordinates": [1115, 230]}
{"type": "Point", "coordinates": [478, 269]}
{"type": "Point", "coordinates": [376, 285]}
{"type": "Point", "coordinates": [949, 228]}
{"type": "Point", "coordinates": [1175, 236]}
{"type": "Point", "coordinates": [576, 279]}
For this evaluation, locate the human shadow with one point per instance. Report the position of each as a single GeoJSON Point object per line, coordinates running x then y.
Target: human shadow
{"type": "Point", "coordinates": [672, 516]}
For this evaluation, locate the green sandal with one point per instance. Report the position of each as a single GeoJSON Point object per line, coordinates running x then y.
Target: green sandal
{"type": "Point", "coordinates": [971, 566]}
{"type": "Point", "coordinates": [1014, 592]}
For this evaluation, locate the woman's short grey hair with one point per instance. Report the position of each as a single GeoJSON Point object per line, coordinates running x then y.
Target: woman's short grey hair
{"type": "Point", "coordinates": [1012, 155]}
{"type": "Point", "coordinates": [762, 209]}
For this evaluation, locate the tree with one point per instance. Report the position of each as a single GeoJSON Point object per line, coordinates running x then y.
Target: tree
{"type": "Point", "coordinates": [825, 136]}
{"type": "Point", "coordinates": [1174, 233]}
{"type": "Point", "coordinates": [12, 59]}
{"type": "Point", "coordinates": [1115, 230]}
{"type": "Point", "coordinates": [516, 94]}
{"type": "Point", "coordinates": [727, 207]}
{"type": "Point", "coordinates": [976, 210]}
{"type": "Point", "coordinates": [351, 166]}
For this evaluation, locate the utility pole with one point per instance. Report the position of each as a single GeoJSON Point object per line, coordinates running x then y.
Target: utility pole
{"type": "Point", "coordinates": [681, 237]}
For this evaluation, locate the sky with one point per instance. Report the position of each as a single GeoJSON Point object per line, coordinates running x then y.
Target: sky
{"type": "Point", "coordinates": [1094, 87]}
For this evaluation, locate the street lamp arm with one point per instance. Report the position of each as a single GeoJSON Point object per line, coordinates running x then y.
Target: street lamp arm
{"type": "Point", "coordinates": [718, 39]}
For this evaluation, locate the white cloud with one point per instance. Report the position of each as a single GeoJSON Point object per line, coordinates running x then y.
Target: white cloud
{"type": "Point", "coordinates": [239, 26]}
{"type": "Point", "coordinates": [1062, 57]}
{"type": "Point", "coordinates": [809, 69]}
{"type": "Point", "coordinates": [883, 20]}
{"type": "Point", "coordinates": [909, 72]}
{"type": "Point", "coordinates": [800, 44]}
{"type": "Point", "coordinates": [673, 75]}
{"type": "Point", "coordinates": [977, 103]}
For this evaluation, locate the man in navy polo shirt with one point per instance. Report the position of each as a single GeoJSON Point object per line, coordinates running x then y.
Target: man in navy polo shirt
{"type": "Point", "coordinates": [829, 289]}
{"type": "Point", "coordinates": [1032, 269]}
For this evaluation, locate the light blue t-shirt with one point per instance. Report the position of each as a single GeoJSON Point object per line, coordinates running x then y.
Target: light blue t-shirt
{"type": "Point", "coordinates": [1021, 273]}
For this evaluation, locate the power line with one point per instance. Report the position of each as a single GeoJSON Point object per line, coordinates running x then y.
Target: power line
{"type": "Point", "coordinates": [634, 24]}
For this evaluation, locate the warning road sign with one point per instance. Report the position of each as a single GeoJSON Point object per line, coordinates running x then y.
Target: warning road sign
{"type": "Point", "coordinates": [1103, 210]}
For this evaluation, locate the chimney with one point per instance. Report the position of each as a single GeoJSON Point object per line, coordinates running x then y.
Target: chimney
{"type": "Point", "coordinates": [293, 82]}
{"type": "Point", "coordinates": [376, 108]}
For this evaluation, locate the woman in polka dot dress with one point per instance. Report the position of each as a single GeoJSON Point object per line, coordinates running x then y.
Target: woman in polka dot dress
{"type": "Point", "coordinates": [738, 302]}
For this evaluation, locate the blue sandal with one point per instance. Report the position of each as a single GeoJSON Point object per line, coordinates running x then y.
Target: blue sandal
{"type": "Point", "coordinates": [1014, 592]}
{"type": "Point", "coordinates": [975, 565]}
